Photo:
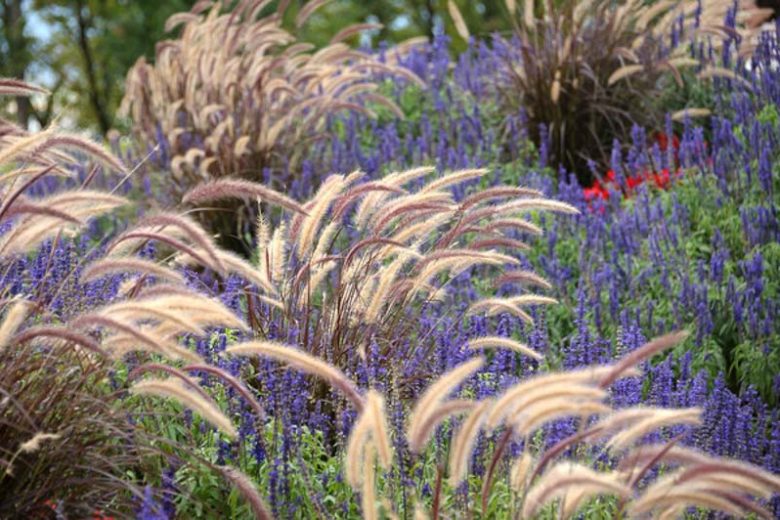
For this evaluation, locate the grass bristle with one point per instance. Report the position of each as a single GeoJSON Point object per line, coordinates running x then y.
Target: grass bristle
{"type": "Point", "coordinates": [566, 476]}
{"type": "Point", "coordinates": [302, 361]}
{"type": "Point", "coordinates": [436, 393]}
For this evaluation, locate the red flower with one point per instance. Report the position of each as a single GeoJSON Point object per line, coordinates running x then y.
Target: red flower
{"type": "Point", "coordinates": [596, 191]}
{"type": "Point", "coordinates": [663, 141]}
{"type": "Point", "coordinates": [662, 179]}
{"type": "Point", "coordinates": [96, 515]}
{"type": "Point", "coordinates": [635, 181]}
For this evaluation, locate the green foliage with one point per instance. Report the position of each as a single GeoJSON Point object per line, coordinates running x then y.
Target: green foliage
{"type": "Point", "coordinates": [90, 46]}
{"type": "Point", "coordinates": [404, 19]}
{"type": "Point", "coordinates": [203, 491]}
{"type": "Point", "coordinates": [745, 360]}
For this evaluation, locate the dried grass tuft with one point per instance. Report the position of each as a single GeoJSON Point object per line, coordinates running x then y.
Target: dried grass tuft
{"type": "Point", "coordinates": [109, 266]}
{"type": "Point", "coordinates": [13, 320]}
{"type": "Point", "coordinates": [587, 71]}
{"type": "Point", "coordinates": [644, 352]}
{"type": "Point", "coordinates": [34, 444]}
{"type": "Point", "coordinates": [240, 189]}
{"type": "Point", "coordinates": [15, 87]}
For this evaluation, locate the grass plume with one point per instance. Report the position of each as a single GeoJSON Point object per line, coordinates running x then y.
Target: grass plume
{"type": "Point", "coordinates": [174, 389]}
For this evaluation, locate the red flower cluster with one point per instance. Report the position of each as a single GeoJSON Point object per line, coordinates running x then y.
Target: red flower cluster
{"type": "Point", "coordinates": [600, 190]}
{"type": "Point", "coordinates": [663, 142]}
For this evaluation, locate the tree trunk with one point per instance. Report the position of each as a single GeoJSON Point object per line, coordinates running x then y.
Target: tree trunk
{"type": "Point", "coordinates": [18, 57]}
{"type": "Point", "coordinates": [96, 98]}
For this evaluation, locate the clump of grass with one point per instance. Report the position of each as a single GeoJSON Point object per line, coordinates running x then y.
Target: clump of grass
{"type": "Point", "coordinates": [237, 93]}
{"type": "Point", "coordinates": [63, 447]}
{"type": "Point", "coordinates": [66, 446]}
{"type": "Point", "coordinates": [359, 261]}
{"type": "Point", "coordinates": [354, 264]}
{"type": "Point", "coordinates": [700, 481]}
{"type": "Point", "coordinates": [586, 72]}
{"type": "Point", "coordinates": [688, 479]}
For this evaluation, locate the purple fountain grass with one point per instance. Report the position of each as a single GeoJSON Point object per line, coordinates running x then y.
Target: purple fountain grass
{"type": "Point", "coordinates": [252, 108]}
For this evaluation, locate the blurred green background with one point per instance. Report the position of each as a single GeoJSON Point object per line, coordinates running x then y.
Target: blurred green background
{"type": "Point", "coordinates": [81, 49]}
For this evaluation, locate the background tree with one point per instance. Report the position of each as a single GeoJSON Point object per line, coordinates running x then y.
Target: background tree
{"type": "Point", "coordinates": [81, 50]}
{"type": "Point", "coordinates": [16, 53]}
{"type": "Point", "coordinates": [403, 19]}
{"type": "Point", "coordinates": [91, 46]}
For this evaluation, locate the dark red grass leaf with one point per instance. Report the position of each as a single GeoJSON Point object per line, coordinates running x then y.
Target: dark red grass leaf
{"type": "Point", "coordinates": [498, 192]}
{"type": "Point", "coordinates": [248, 490]}
{"type": "Point", "coordinates": [165, 289]}
{"type": "Point", "coordinates": [305, 268]}
{"type": "Point", "coordinates": [499, 242]}
{"type": "Point", "coordinates": [354, 29]}
{"type": "Point", "coordinates": [654, 460]}
{"type": "Point", "coordinates": [745, 503]}
{"type": "Point", "coordinates": [86, 146]}
{"type": "Point", "coordinates": [559, 448]}
{"type": "Point", "coordinates": [703, 468]}
{"type": "Point", "coordinates": [647, 452]}
{"type": "Point", "coordinates": [192, 231]}
{"type": "Point", "coordinates": [369, 242]}
{"type": "Point", "coordinates": [86, 320]}
{"type": "Point", "coordinates": [522, 277]}
{"type": "Point", "coordinates": [488, 480]}
{"type": "Point", "coordinates": [437, 493]}
{"type": "Point", "coordinates": [410, 208]}
{"type": "Point", "coordinates": [350, 196]}
{"type": "Point", "coordinates": [59, 332]}
{"type": "Point", "coordinates": [16, 87]}
{"type": "Point", "coordinates": [452, 253]}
